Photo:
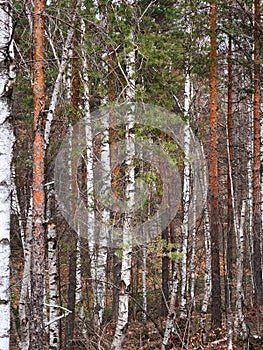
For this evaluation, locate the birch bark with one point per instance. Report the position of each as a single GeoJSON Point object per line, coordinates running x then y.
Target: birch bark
{"type": "Point", "coordinates": [125, 279]}
{"type": "Point", "coordinates": [208, 264]}
{"type": "Point", "coordinates": [6, 145]}
{"type": "Point", "coordinates": [54, 341]}
{"type": "Point", "coordinates": [186, 198]}
{"type": "Point", "coordinates": [66, 55]}
{"type": "Point", "coordinates": [172, 305]}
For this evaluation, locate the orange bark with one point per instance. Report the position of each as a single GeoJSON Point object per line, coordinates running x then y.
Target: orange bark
{"type": "Point", "coordinates": [213, 176]}
{"type": "Point", "coordinates": [38, 251]}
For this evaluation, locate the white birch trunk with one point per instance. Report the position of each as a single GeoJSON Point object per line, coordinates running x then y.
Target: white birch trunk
{"type": "Point", "coordinates": [192, 262]}
{"type": "Point", "coordinates": [23, 310]}
{"type": "Point", "coordinates": [79, 294]}
{"type": "Point", "coordinates": [67, 53]}
{"type": "Point", "coordinates": [102, 251]}
{"type": "Point", "coordinates": [240, 319]}
{"type": "Point", "coordinates": [250, 199]}
{"type": "Point", "coordinates": [6, 146]}
{"type": "Point", "coordinates": [186, 200]}
{"type": "Point", "coordinates": [144, 284]}
{"type": "Point", "coordinates": [54, 341]}
{"type": "Point", "coordinates": [208, 268]}
{"type": "Point", "coordinates": [86, 115]}
{"type": "Point", "coordinates": [98, 254]}
{"type": "Point", "coordinates": [122, 322]}
{"type": "Point", "coordinates": [172, 308]}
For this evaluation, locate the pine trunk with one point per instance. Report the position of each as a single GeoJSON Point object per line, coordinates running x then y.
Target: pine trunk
{"type": "Point", "coordinates": [38, 208]}
{"type": "Point", "coordinates": [213, 178]}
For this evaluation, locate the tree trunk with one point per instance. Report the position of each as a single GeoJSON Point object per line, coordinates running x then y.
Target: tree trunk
{"type": "Point", "coordinates": [125, 279]}
{"type": "Point", "coordinates": [73, 165]}
{"type": "Point", "coordinates": [144, 284]}
{"type": "Point", "coordinates": [165, 271]}
{"type": "Point", "coordinates": [239, 319]}
{"type": "Point", "coordinates": [38, 209]}
{"type": "Point", "coordinates": [172, 307]}
{"type": "Point", "coordinates": [257, 228]}
{"type": "Point", "coordinates": [26, 233]}
{"type": "Point", "coordinates": [186, 198]}
{"type": "Point", "coordinates": [229, 258]}
{"type": "Point", "coordinates": [213, 178]}
{"type": "Point", "coordinates": [6, 145]}
{"type": "Point", "coordinates": [70, 320]}
{"type": "Point", "coordinates": [66, 55]}
{"type": "Point", "coordinates": [208, 269]}
{"type": "Point", "coordinates": [54, 341]}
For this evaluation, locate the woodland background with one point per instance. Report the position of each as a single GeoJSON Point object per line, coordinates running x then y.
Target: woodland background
{"type": "Point", "coordinates": [196, 286]}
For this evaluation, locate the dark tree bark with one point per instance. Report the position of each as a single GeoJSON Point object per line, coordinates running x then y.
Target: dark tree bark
{"type": "Point", "coordinates": [230, 225]}
{"type": "Point", "coordinates": [69, 328]}
{"type": "Point", "coordinates": [213, 177]}
{"type": "Point", "coordinates": [257, 228]}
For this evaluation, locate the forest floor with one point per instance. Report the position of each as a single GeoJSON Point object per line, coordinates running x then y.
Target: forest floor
{"type": "Point", "coordinates": [140, 335]}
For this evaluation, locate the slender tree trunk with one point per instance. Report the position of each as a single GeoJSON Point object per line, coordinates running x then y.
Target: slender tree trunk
{"type": "Point", "coordinates": [54, 340]}
{"type": "Point", "coordinates": [26, 233]}
{"type": "Point", "coordinates": [66, 55]}
{"type": "Point", "coordinates": [172, 308]}
{"type": "Point", "coordinates": [257, 228]}
{"type": "Point", "coordinates": [125, 279]}
{"type": "Point", "coordinates": [6, 146]}
{"type": "Point", "coordinates": [72, 278]}
{"type": "Point", "coordinates": [230, 200]}
{"type": "Point", "coordinates": [101, 251]}
{"type": "Point", "coordinates": [229, 205]}
{"type": "Point", "coordinates": [239, 319]}
{"type": "Point", "coordinates": [144, 283]}
{"type": "Point", "coordinates": [186, 198]}
{"type": "Point", "coordinates": [165, 271]}
{"type": "Point", "coordinates": [213, 178]}
{"type": "Point", "coordinates": [208, 270]}
{"type": "Point", "coordinates": [238, 230]}
{"type": "Point", "coordinates": [250, 201]}
{"type": "Point", "coordinates": [38, 209]}
{"type": "Point", "coordinates": [194, 231]}
{"type": "Point", "coordinates": [70, 320]}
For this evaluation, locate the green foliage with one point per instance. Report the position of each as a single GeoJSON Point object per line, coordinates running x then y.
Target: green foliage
{"type": "Point", "coordinates": [23, 98]}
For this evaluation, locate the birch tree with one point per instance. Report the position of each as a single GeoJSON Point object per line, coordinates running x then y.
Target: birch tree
{"type": "Point", "coordinates": [7, 76]}
{"type": "Point", "coordinates": [54, 341]}
{"type": "Point", "coordinates": [186, 197]}
{"type": "Point", "coordinates": [72, 164]}
{"type": "Point", "coordinates": [125, 279]}
{"type": "Point", "coordinates": [66, 55]}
